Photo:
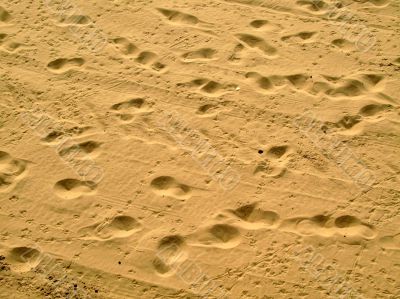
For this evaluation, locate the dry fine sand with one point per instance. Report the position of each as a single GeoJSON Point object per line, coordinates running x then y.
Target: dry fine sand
{"type": "Point", "coordinates": [200, 149]}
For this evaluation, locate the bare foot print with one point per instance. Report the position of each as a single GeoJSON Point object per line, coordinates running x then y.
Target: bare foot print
{"type": "Point", "coordinates": [118, 227]}
{"type": "Point", "coordinates": [72, 188]}
{"type": "Point", "coordinates": [171, 251]}
{"type": "Point", "coordinates": [220, 235]}
{"type": "Point", "coordinates": [63, 65]}
{"type": "Point", "coordinates": [169, 186]}
{"type": "Point", "coordinates": [23, 259]}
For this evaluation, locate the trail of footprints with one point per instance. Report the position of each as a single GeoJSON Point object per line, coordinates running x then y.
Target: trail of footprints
{"type": "Point", "coordinates": [145, 59]}
{"type": "Point", "coordinates": [25, 258]}
{"type": "Point", "coordinates": [77, 153]}
{"type": "Point", "coordinates": [348, 86]}
{"type": "Point", "coordinates": [353, 124]}
{"type": "Point", "coordinates": [330, 86]}
{"type": "Point", "coordinates": [225, 230]}
{"type": "Point", "coordinates": [256, 43]}
{"type": "Point", "coordinates": [250, 41]}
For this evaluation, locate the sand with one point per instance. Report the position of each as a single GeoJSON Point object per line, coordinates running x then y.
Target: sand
{"type": "Point", "coordinates": [200, 149]}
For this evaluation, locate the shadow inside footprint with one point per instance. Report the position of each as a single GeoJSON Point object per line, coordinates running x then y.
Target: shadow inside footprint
{"type": "Point", "coordinates": [169, 186]}
{"type": "Point", "coordinates": [199, 55]}
{"type": "Point", "coordinates": [254, 217]}
{"type": "Point", "coordinates": [169, 254]}
{"type": "Point", "coordinates": [72, 188]}
{"type": "Point", "coordinates": [223, 236]}
{"type": "Point", "coordinates": [277, 152]}
{"type": "Point", "coordinates": [118, 227]}
{"type": "Point", "coordinates": [62, 65]}
{"type": "Point", "coordinates": [178, 17]}
{"type": "Point", "coordinates": [23, 259]}
{"type": "Point", "coordinates": [4, 15]}
{"type": "Point", "coordinates": [258, 43]}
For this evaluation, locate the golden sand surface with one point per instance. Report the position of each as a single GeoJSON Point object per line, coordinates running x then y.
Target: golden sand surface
{"type": "Point", "coordinates": [200, 149]}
